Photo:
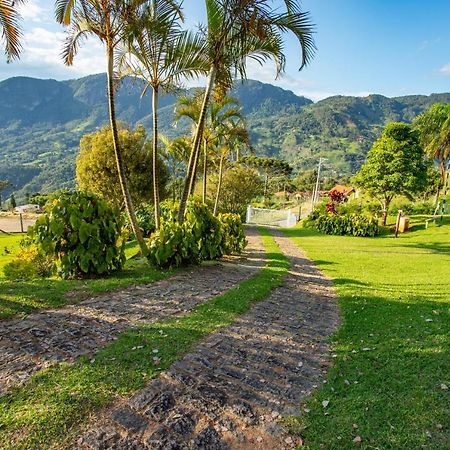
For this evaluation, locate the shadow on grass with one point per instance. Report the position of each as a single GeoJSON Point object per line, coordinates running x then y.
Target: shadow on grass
{"type": "Point", "coordinates": [434, 247]}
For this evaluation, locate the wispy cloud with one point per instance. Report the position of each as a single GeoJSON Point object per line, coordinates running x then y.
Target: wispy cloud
{"type": "Point", "coordinates": [445, 70]}
{"type": "Point", "coordinates": [429, 43]}
{"type": "Point", "coordinates": [33, 11]}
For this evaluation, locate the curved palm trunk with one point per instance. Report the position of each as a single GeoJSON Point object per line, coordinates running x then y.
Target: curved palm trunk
{"type": "Point", "coordinates": [205, 169]}
{"type": "Point", "coordinates": [219, 185]}
{"type": "Point", "coordinates": [118, 154]}
{"type": "Point", "coordinates": [193, 159]}
{"type": "Point", "coordinates": [155, 158]}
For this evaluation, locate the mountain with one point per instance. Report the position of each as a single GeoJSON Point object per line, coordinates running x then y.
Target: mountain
{"type": "Point", "coordinates": [41, 122]}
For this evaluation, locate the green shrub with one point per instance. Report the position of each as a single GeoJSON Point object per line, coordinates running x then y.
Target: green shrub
{"type": "Point", "coordinates": [29, 264]}
{"type": "Point", "coordinates": [347, 224]}
{"type": "Point", "coordinates": [83, 233]}
{"type": "Point", "coordinates": [199, 238]}
{"type": "Point", "coordinates": [145, 216]}
{"type": "Point", "coordinates": [233, 236]}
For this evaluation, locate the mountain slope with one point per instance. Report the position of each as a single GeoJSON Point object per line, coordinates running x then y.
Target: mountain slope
{"type": "Point", "coordinates": [41, 122]}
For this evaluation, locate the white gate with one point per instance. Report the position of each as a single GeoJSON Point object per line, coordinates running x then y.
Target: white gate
{"type": "Point", "coordinates": [271, 217]}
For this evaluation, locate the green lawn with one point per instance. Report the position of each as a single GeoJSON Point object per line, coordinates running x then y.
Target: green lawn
{"type": "Point", "coordinates": [47, 411]}
{"type": "Point", "coordinates": [26, 296]}
{"type": "Point", "coordinates": [391, 360]}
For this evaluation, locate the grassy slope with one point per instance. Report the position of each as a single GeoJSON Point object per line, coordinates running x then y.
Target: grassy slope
{"type": "Point", "coordinates": [27, 296]}
{"type": "Point", "coordinates": [46, 411]}
{"type": "Point", "coordinates": [394, 297]}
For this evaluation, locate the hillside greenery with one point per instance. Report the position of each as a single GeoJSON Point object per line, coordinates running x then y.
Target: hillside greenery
{"type": "Point", "coordinates": [42, 121]}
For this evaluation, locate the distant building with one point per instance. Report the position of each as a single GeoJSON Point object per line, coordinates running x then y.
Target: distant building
{"type": "Point", "coordinates": [27, 209]}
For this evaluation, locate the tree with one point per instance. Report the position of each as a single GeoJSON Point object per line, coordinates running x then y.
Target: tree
{"type": "Point", "coordinates": [12, 201]}
{"type": "Point", "coordinates": [96, 168]}
{"type": "Point", "coordinates": [434, 128]}
{"type": "Point", "coordinates": [11, 32]}
{"type": "Point", "coordinates": [4, 184]}
{"type": "Point", "coordinates": [175, 154]}
{"type": "Point", "coordinates": [396, 165]}
{"type": "Point", "coordinates": [236, 31]}
{"type": "Point", "coordinates": [222, 115]}
{"type": "Point", "coordinates": [240, 185]}
{"type": "Point", "coordinates": [163, 55]}
{"type": "Point", "coordinates": [107, 20]}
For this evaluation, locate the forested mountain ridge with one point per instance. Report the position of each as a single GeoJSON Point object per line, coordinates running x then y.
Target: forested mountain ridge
{"type": "Point", "coordinates": [41, 122]}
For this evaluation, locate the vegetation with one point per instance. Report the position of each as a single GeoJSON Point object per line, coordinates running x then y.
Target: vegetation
{"type": "Point", "coordinates": [82, 233]}
{"type": "Point", "coordinates": [11, 32]}
{"type": "Point", "coordinates": [163, 55]}
{"type": "Point", "coordinates": [107, 21]}
{"type": "Point", "coordinates": [231, 40]}
{"type": "Point", "coordinates": [434, 127]}
{"type": "Point", "coordinates": [395, 166]}
{"type": "Point", "coordinates": [96, 167]}
{"type": "Point", "coordinates": [50, 407]}
{"type": "Point", "coordinates": [44, 293]}
{"type": "Point", "coordinates": [390, 354]}
{"type": "Point", "coordinates": [346, 224]}
{"type": "Point", "coordinates": [4, 184]}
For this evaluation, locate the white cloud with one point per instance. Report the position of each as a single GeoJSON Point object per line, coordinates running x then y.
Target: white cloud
{"type": "Point", "coordinates": [42, 47]}
{"type": "Point", "coordinates": [445, 70]}
{"type": "Point", "coordinates": [32, 11]}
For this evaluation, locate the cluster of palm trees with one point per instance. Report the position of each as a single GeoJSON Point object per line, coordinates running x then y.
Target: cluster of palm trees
{"type": "Point", "coordinates": [145, 39]}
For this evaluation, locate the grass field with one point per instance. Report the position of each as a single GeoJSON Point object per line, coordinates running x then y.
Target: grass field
{"type": "Point", "coordinates": [26, 296]}
{"type": "Point", "coordinates": [388, 384]}
{"type": "Point", "coordinates": [47, 411]}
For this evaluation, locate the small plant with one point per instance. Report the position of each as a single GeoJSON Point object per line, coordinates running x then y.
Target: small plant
{"type": "Point", "coordinates": [82, 233]}
{"type": "Point", "coordinates": [145, 216]}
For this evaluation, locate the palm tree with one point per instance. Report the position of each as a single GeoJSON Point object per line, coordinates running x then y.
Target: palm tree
{"type": "Point", "coordinates": [434, 128]}
{"type": "Point", "coordinates": [108, 20]}
{"type": "Point", "coordinates": [175, 154]}
{"type": "Point", "coordinates": [163, 55]}
{"type": "Point", "coordinates": [219, 114]}
{"type": "Point", "coordinates": [10, 28]}
{"type": "Point", "coordinates": [234, 136]}
{"type": "Point", "coordinates": [237, 30]}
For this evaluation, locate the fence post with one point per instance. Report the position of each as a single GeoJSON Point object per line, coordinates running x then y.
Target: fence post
{"type": "Point", "coordinates": [21, 222]}
{"type": "Point", "coordinates": [397, 223]}
{"type": "Point", "coordinates": [249, 214]}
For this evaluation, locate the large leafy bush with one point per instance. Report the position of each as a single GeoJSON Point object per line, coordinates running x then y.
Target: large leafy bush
{"type": "Point", "coordinates": [201, 236]}
{"type": "Point", "coordinates": [233, 236]}
{"type": "Point", "coordinates": [83, 233]}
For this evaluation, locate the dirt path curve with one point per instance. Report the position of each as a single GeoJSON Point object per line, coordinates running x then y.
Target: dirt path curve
{"type": "Point", "coordinates": [52, 336]}
{"type": "Point", "coordinates": [230, 392]}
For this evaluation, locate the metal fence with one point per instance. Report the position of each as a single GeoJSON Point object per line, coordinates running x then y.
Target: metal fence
{"type": "Point", "coordinates": [16, 223]}
{"type": "Point", "coordinates": [271, 217]}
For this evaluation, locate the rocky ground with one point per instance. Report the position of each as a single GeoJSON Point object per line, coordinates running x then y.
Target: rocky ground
{"type": "Point", "coordinates": [232, 389]}
{"type": "Point", "coordinates": [41, 339]}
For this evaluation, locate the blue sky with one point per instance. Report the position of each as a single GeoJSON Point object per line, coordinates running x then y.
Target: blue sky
{"type": "Point", "coordinates": [390, 47]}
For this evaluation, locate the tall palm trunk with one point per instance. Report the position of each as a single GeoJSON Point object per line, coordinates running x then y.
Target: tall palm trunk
{"type": "Point", "coordinates": [205, 169]}
{"type": "Point", "coordinates": [219, 185]}
{"type": "Point", "coordinates": [118, 154]}
{"type": "Point", "coordinates": [155, 157]}
{"type": "Point", "coordinates": [193, 159]}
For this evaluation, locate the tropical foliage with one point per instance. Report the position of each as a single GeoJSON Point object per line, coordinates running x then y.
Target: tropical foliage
{"type": "Point", "coordinates": [82, 233]}
{"type": "Point", "coordinates": [10, 31]}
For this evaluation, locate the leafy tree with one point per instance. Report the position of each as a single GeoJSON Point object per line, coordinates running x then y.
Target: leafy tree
{"type": "Point", "coordinates": [434, 127]}
{"type": "Point", "coordinates": [163, 55]}
{"type": "Point", "coordinates": [240, 185]}
{"type": "Point", "coordinates": [11, 33]}
{"type": "Point", "coordinates": [236, 31]}
{"type": "Point", "coordinates": [96, 168]}
{"type": "Point", "coordinates": [395, 165]}
{"type": "Point", "coordinates": [4, 184]}
{"type": "Point", "coordinates": [107, 20]}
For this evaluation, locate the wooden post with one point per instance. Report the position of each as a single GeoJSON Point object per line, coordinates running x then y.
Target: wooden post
{"type": "Point", "coordinates": [299, 212]}
{"type": "Point", "coordinates": [21, 222]}
{"type": "Point", "coordinates": [397, 223]}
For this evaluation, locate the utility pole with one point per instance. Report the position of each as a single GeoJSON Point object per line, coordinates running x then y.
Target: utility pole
{"type": "Point", "coordinates": [316, 195]}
